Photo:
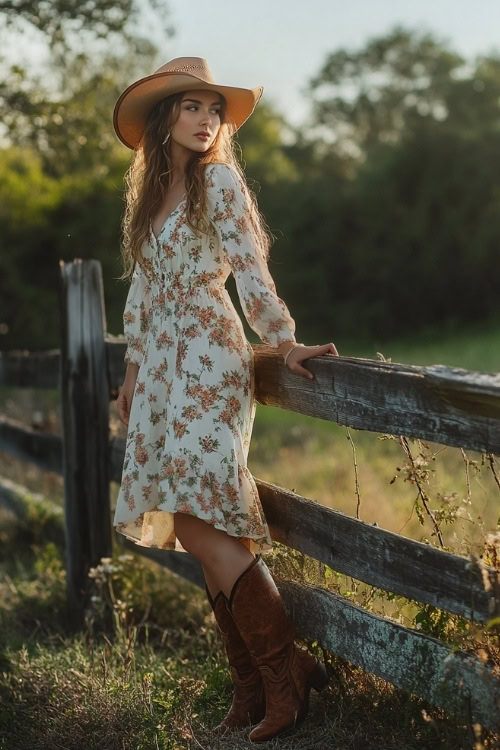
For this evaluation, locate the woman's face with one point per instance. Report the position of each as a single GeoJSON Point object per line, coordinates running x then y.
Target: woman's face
{"type": "Point", "coordinates": [199, 111]}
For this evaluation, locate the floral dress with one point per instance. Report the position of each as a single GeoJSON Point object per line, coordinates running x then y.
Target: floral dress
{"type": "Point", "coordinates": [193, 406]}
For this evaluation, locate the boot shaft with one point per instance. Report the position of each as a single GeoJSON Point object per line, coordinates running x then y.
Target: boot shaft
{"type": "Point", "coordinates": [257, 608]}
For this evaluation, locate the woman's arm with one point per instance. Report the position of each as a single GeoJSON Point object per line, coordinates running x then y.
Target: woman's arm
{"type": "Point", "coordinates": [135, 327]}
{"type": "Point", "coordinates": [229, 211]}
{"type": "Point", "coordinates": [265, 312]}
{"type": "Point", "coordinates": [126, 394]}
{"type": "Point", "coordinates": [136, 316]}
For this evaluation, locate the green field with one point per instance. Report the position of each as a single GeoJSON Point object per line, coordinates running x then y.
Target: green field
{"type": "Point", "coordinates": [475, 347]}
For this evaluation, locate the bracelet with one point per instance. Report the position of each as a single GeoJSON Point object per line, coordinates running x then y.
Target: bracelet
{"type": "Point", "coordinates": [288, 352]}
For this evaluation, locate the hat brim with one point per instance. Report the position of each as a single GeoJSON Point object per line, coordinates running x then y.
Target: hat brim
{"type": "Point", "coordinates": [132, 108]}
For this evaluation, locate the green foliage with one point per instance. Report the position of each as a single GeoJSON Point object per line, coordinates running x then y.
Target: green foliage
{"type": "Point", "coordinates": [76, 215]}
{"type": "Point", "coordinates": [261, 142]}
{"type": "Point", "coordinates": [48, 17]}
{"type": "Point", "coordinates": [70, 125]}
{"type": "Point", "coordinates": [399, 232]}
{"type": "Point", "coordinates": [59, 19]}
{"type": "Point", "coordinates": [401, 83]}
{"type": "Point", "coordinates": [26, 192]}
{"type": "Point", "coordinates": [386, 216]}
{"type": "Point", "coordinates": [61, 173]}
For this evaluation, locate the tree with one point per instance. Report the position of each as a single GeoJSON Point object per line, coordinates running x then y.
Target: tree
{"type": "Point", "coordinates": [62, 165]}
{"type": "Point", "coordinates": [407, 237]}
{"type": "Point", "coordinates": [70, 128]}
{"type": "Point", "coordinates": [56, 18]}
{"type": "Point", "coordinates": [388, 87]}
{"type": "Point", "coordinates": [64, 110]}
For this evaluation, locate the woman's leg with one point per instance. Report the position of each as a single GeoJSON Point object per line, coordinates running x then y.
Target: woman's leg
{"type": "Point", "coordinates": [268, 635]}
{"type": "Point", "coordinates": [211, 582]}
{"type": "Point", "coordinates": [223, 557]}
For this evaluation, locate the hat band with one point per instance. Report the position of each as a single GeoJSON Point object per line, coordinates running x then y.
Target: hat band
{"type": "Point", "coordinates": [183, 69]}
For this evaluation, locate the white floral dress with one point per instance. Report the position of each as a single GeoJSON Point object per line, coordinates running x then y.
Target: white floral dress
{"type": "Point", "coordinates": [193, 407]}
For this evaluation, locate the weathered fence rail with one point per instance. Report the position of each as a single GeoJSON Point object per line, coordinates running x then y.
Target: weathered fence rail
{"type": "Point", "coordinates": [446, 405]}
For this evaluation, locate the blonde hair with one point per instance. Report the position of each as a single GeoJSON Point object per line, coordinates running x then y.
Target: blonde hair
{"type": "Point", "coordinates": [148, 178]}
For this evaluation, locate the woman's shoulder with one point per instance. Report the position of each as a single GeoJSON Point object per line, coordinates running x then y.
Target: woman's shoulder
{"type": "Point", "coordinates": [222, 173]}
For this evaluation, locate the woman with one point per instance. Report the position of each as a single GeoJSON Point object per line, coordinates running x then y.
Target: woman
{"type": "Point", "coordinates": [188, 394]}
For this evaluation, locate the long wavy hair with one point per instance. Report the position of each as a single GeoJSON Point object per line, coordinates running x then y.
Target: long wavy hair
{"type": "Point", "coordinates": [148, 179]}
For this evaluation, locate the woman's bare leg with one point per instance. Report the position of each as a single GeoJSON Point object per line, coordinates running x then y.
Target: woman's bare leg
{"type": "Point", "coordinates": [212, 584]}
{"type": "Point", "coordinates": [223, 557]}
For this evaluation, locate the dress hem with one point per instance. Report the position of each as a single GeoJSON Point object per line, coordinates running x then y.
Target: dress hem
{"type": "Point", "coordinates": [251, 542]}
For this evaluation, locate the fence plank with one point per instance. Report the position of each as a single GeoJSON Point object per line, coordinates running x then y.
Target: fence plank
{"type": "Point", "coordinates": [85, 411]}
{"type": "Point", "coordinates": [25, 369]}
{"type": "Point", "coordinates": [381, 558]}
{"type": "Point", "coordinates": [181, 563]}
{"type": "Point", "coordinates": [414, 662]}
{"type": "Point", "coordinates": [442, 404]}
{"type": "Point", "coordinates": [19, 500]}
{"type": "Point", "coordinates": [41, 449]}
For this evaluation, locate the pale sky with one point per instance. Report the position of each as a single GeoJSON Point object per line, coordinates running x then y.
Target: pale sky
{"type": "Point", "coordinates": [280, 44]}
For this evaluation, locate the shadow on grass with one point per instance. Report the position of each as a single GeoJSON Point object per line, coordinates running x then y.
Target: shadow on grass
{"type": "Point", "coordinates": [149, 671]}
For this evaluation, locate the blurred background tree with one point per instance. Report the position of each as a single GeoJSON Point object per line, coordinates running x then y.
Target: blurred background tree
{"type": "Point", "coordinates": [398, 219]}
{"type": "Point", "coordinates": [61, 175]}
{"type": "Point", "coordinates": [384, 204]}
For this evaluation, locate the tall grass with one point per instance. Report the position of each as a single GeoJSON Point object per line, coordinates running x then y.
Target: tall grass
{"type": "Point", "coordinates": [148, 670]}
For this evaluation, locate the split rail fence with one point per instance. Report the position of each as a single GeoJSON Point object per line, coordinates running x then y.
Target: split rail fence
{"type": "Point", "coordinates": [451, 406]}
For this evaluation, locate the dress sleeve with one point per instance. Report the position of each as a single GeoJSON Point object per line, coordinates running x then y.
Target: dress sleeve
{"type": "Point", "coordinates": [230, 212]}
{"type": "Point", "coordinates": [136, 316]}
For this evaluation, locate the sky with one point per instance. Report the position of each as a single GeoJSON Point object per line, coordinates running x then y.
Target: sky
{"type": "Point", "coordinates": [281, 44]}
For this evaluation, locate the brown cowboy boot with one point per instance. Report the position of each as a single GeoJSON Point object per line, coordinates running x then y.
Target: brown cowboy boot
{"type": "Point", "coordinates": [288, 672]}
{"type": "Point", "coordinates": [249, 705]}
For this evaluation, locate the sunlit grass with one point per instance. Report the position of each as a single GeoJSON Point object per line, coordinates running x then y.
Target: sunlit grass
{"type": "Point", "coordinates": [473, 347]}
{"type": "Point", "coordinates": [315, 459]}
{"type": "Point", "coordinates": [151, 671]}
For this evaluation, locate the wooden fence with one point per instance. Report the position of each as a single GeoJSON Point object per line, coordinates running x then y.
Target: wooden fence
{"type": "Point", "coordinates": [446, 405]}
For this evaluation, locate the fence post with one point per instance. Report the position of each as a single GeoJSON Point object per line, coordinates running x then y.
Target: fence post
{"type": "Point", "coordinates": [85, 423]}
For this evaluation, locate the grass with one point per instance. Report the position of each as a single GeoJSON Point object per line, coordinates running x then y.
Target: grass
{"type": "Point", "coordinates": [315, 459]}
{"type": "Point", "coordinates": [475, 347]}
{"type": "Point", "coordinates": [148, 670]}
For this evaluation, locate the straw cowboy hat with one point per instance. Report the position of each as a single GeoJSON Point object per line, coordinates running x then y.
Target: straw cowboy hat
{"type": "Point", "coordinates": [181, 74]}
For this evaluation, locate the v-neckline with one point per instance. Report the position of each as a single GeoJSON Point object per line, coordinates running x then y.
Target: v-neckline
{"type": "Point", "coordinates": [164, 223]}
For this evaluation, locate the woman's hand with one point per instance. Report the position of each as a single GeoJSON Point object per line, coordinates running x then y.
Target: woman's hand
{"type": "Point", "coordinates": [126, 394]}
{"type": "Point", "coordinates": [303, 352]}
